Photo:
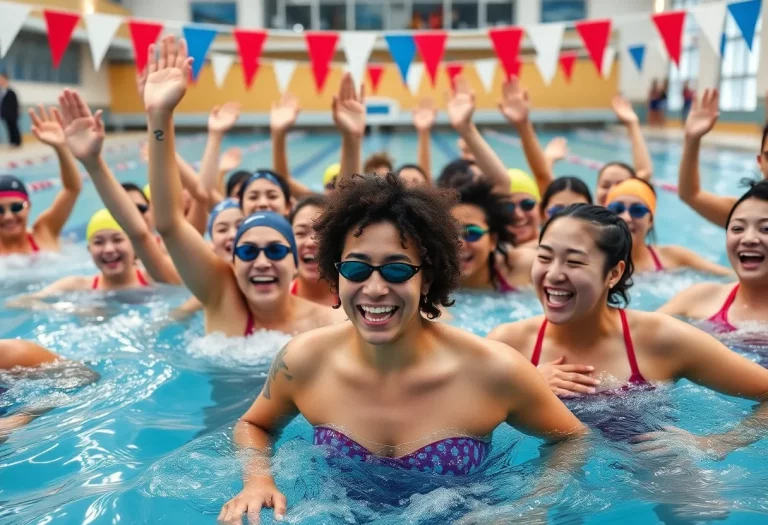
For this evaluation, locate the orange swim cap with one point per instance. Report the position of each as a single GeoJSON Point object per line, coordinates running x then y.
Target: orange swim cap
{"type": "Point", "coordinates": [634, 188]}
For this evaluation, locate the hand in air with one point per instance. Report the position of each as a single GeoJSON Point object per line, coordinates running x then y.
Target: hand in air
{"type": "Point", "coordinates": [624, 110]}
{"type": "Point", "coordinates": [46, 126]}
{"type": "Point", "coordinates": [231, 159]}
{"type": "Point", "coordinates": [84, 131]}
{"type": "Point", "coordinates": [703, 115]}
{"type": "Point", "coordinates": [515, 104]}
{"type": "Point", "coordinates": [223, 117]}
{"type": "Point", "coordinates": [349, 108]}
{"type": "Point", "coordinates": [250, 501]}
{"type": "Point", "coordinates": [169, 74]}
{"type": "Point", "coordinates": [461, 106]}
{"type": "Point", "coordinates": [424, 115]}
{"type": "Point", "coordinates": [557, 149]}
{"type": "Point", "coordinates": [568, 380]}
{"type": "Point", "coordinates": [675, 442]}
{"type": "Point", "coordinates": [284, 113]}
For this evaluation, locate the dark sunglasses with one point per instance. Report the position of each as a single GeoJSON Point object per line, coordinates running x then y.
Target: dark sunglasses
{"type": "Point", "coordinates": [274, 252]}
{"type": "Point", "coordinates": [552, 211]}
{"type": "Point", "coordinates": [525, 205]}
{"type": "Point", "coordinates": [636, 210]}
{"type": "Point", "coordinates": [358, 271]}
{"type": "Point", "coordinates": [143, 208]}
{"type": "Point", "coordinates": [473, 233]}
{"type": "Point", "coordinates": [15, 207]}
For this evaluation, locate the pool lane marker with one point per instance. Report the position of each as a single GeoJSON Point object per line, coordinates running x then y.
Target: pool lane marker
{"type": "Point", "coordinates": [576, 160]}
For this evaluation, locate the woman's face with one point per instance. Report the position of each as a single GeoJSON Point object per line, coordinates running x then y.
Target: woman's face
{"type": "Point", "coordinates": [14, 217]}
{"type": "Point", "coordinates": [264, 281]}
{"type": "Point", "coordinates": [112, 252]}
{"type": "Point", "coordinates": [526, 217]}
{"type": "Point", "coordinates": [561, 200]}
{"type": "Point", "coordinates": [305, 242]}
{"type": "Point", "coordinates": [473, 256]}
{"type": "Point", "coordinates": [224, 230]}
{"type": "Point", "coordinates": [141, 202]}
{"type": "Point", "coordinates": [636, 214]}
{"type": "Point", "coordinates": [263, 195]}
{"type": "Point", "coordinates": [746, 240]}
{"type": "Point", "coordinates": [608, 178]}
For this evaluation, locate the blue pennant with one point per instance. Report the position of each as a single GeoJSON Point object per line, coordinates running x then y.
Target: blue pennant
{"type": "Point", "coordinates": [745, 14]}
{"type": "Point", "coordinates": [638, 55]}
{"type": "Point", "coordinates": [199, 40]}
{"type": "Point", "coordinates": [403, 49]}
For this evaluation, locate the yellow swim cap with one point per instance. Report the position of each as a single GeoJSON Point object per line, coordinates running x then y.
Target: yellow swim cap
{"type": "Point", "coordinates": [147, 193]}
{"type": "Point", "coordinates": [523, 183]}
{"type": "Point", "coordinates": [331, 172]}
{"type": "Point", "coordinates": [101, 220]}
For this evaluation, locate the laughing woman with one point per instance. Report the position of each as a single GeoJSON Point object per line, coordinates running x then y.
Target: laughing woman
{"type": "Point", "coordinates": [308, 283]}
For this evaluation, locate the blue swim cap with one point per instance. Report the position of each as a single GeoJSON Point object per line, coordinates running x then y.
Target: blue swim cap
{"type": "Point", "coordinates": [272, 220]}
{"type": "Point", "coordinates": [226, 204]}
{"type": "Point", "coordinates": [263, 175]}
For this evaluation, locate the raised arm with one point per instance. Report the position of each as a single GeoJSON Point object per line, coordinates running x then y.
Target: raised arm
{"type": "Point", "coordinates": [47, 128]}
{"type": "Point", "coordinates": [221, 120]}
{"type": "Point", "coordinates": [424, 116]}
{"type": "Point", "coordinates": [641, 158]}
{"type": "Point", "coordinates": [555, 151]}
{"type": "Point", "coordinates": [349, 117]}
{"type": "Point", "coordinates": [690, 259]}
{"type": "Point", "coordinates": [701, 120]}
{"type": "Point", "coordinates": [203, 273]}
{"type": "Point", "coordinates": [282, 117]}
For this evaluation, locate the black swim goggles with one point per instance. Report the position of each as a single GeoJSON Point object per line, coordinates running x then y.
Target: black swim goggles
{"type": "Point", "coordinates": [473, 233]}
{"type": "Point", "coordinates": [525, 205]}
{"type": "Point", "coordinates": [14, 207]}
{"type": "Point", "coordinates": [636, 210]}
{"type": "Point", "coordinates": [394, 273]}
{"type": "Point", "coordinates": [143, 208]}
{"type": "Point", "coordinates": [250, 252]}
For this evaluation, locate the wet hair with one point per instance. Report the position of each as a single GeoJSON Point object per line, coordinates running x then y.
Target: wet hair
{"type": "Point", "coordinates": [612, 237]}
{"type": "Point", "coordinates": [315, 199]}
{"type": "Point", "coordinates": [456, 174]}
{"type": "Point", "coordinates": [130, 186]}
{"type": "Point", "coordinates": [413, 167]}
{"type": "Point", "coordinates": [235, 179]}
{"type": "Point", "coordinates": [280, 181]}
{"type": "Point", "coordinates": [421, 215]}
{"type": "Point", "coordinates": [757, 190]}
{"type": "Point", "coordinates": [765, 136]}
{"type": "Point", "coordinates": [376, 160]}
{"type": "Point", "coordinates": [562, 184]}
{"type": "Point", "coordinates": [630, 169]}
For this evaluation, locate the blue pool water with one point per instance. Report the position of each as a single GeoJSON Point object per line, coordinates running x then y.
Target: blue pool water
{"type": "Point", "coordinates": [150, 442]}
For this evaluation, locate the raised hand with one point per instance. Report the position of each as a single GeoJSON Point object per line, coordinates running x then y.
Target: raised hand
{"type": "Point", "coordinates": [624, 110]}
{"type": "Point", "coordinates": [168, 77]}
{"type": "Point", "coordinates": [515, 104]}
{"type": "Point", "coordinates": [141, 82]}
{"type": "Point", "coordinates": [349, 108]}
{"type": "Point", "coordinates": [231, 159]}
{"type": "Point", "coordinates": [703, 115]}
{"type": "Point", "coordinates": [284, 113]}
{"type": "Point", "coordinates": [461, 106]}
{"type": "Point", "coordinates": [424, 114]}
{"type": "Point", "coordinates": [46, 126]}
{"type": "Point", "coordinates": [557, 149]}
{"type": "Point", "coordinates": [84, 131]}
{"type": "Point", "coordinates": [223, 117]}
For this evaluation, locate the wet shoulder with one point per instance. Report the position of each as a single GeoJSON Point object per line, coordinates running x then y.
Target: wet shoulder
{"type": "Point", "coordinates": [309, 350]}
{"type": "Point", "coordinates": [700, 301]}
{"type": "Point", "coordinates": [656, 333]}
{"type": "Point", "coordinates": [520, 335]}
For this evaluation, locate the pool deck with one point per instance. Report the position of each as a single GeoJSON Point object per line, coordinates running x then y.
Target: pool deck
{"type": "Point", "coordinates": [31, 149]}
{"type": "Point", "coordinates": [730, 140]}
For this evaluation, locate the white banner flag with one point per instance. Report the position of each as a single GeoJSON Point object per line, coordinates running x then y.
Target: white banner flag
{"type": "Point", "coordinates": [283, 73]}
{"type": "Point", "coordinates": [711, 20]}
{"type": "Point", "coordinates": [486, 71]}
{"type": "Point", "coordinates": [357, 47]}
{"type": "Point", "coordinates": [608, 58]}
{"type": "Point", "coordinates": [101, 30]}
{"type": "Point", "coordinates": [415, 72]}
{"type": "Point", "coordinates": [221, 62]}
{"type": "Point", "coordinates": [547, 39]}
{"type": "Point", "coordinates": [12, 17]}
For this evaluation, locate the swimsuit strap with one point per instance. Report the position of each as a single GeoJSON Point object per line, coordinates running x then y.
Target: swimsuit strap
{"type": "Point", "coordinates": [95, 285]}
{"type": "Point", "coordinates": [539, 340]}
{"type": "Point", "coordinates": [636, 376]}
{"type": "Point", "coordinates": [656, 260]}
{"type": "Point", "coordinates": [294, 287]}
{"type": "Point", "coordinates": [32, 243]}
{"type": "Point", "coordinates": [501, 284]}
{"type": "Point", "coordinates": [721, 317]}
{"type": "Point", "coordinates": [140, 277]}
{"type": "Point", "coordinates": [249, 324]}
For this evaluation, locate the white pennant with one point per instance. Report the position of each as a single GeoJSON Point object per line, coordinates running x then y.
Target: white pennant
{"type": "Point", "coordinates": [358, 46]}
{"type": "Point", "coordinates": [101, 30]}
{"type": "Point", "coordinates": [283, 73]}
{"type": "Point", "coordinates": [415, 72]}
{"type": "Point", "coordinates": [547, 39]}
{"type": "Point", "coordinates": [710, 18]}
{"type": "Point", "coordinates": [608, 59]}
{"type": "Point", "coordinates": [221, 62]}
{"type": "Point", "coordinates": [11, 20]}
{"type": "Point", "coordinates": [486, 71]}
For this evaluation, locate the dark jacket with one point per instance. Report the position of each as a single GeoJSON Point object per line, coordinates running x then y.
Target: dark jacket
{"type": "Point", "coordinates": [9, 108]}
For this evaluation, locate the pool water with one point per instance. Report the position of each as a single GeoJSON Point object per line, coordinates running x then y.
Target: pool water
{"type": "Point", "coordinates": [151, 440]}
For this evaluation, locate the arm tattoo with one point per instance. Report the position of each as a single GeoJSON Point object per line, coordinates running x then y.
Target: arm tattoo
{"type": "Point", "coordinates": [159, 135]}
{"type": "Point", "coordinates": [277, 365]}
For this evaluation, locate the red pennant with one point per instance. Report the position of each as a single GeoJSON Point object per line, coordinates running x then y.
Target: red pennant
{"type": "Point", "coordinates": [250, 45]}
{"type": "Point", "coordinates": [515, 70]}
{"type": "Point", "coordinates": [454, 69]}
{"type": "Point", "coordinates": [432, 47]}
{"type": "Point", "coordinates": [567, 60]}
{"type": "Point", "coordinates": [670, 26]}
{"type": "Point", "coordinates": [60, 28]}
{"type": "Point", "coordinates": [506, 42]}
{"type": "Point", "coordinates": [143, 34]}
{"type": "Point", "coordinates": [595, 34]}
{"type": "Point", "coordinates": [321, 46]}
{"type": "Point", "coordinates": [374, 73]}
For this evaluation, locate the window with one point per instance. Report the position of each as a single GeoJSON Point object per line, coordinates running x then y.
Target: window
{"type": "Point", "coordinates": [333, 16]}
{"type": "Point", "coordinates": [298, 17]}
{"type": "Point", "coordinates": [429, 13]}
{"type": "Point", "coordinates": [29, 59]}
{"type": "Point", "coordinates": [562, 10]}
{"type": "Point", "coordinates": [464, 15]}
{"type": "Point", "coordinates": [369, 16]}
{"type": "Point", "coordinates": [214, 12]}
{"type": "Point", "coordinates": [500, 13]}
{"type": "Point", "coordinates": [738, 70]}
{"type": "Point", "coordinates": [689, 59]}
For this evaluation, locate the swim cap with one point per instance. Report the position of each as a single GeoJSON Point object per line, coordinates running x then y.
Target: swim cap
{"type": "Point", "coordinates": [226, 204]}
{"type": "Point", "coordinates": [10, 186]}
{"type": "Point", "coordinates": [521, 182]}
{"type": "Point", "coordinates": [101, 220]}
{"type": "Point", "coordinates": [262, 174]}
{"type": "Point", "coordinates": [272, 220]}
{"type": "Point", "coordinates": [330, 174]}
{"type": "Point", "coordinates": [147, 193]}
{"type": "Point", "coordinates": [634, 188]}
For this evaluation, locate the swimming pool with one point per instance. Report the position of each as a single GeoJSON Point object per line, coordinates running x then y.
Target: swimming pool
{"type": "Point", "coordinates": [151, 441]}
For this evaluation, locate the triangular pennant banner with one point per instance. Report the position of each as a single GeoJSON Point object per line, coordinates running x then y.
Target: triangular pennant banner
{"type": "Point", "coordinates": [199, 40]}
{"type": "Point", "coordinates": [453, 69]}
{"type": "Point", "coordinates": [432, 48]}
{"type": "Point", "coordinates": [13, 17]}
{"type": "Point", "coordinates": [321, 46]}
{"type": "Point", "coordinates": [101, 30]}
{"type": "Point", "coordinates": [515, 71]}
{"type": "Point", "coordinates": [608, 58]}
{"type": "Point", "coordinates": [638, 55]}
{"type": "Point", "coordinates": [374, 73]}
{"type": "Point", "coordinates": [506, 42]}
{"type": "Point", "coordinates": [670, 25]}
{"type": "Point", "coordinates": [249, 47]}
{"type": "Point", "coordinates": [60, 27]}
{"type": "Point", "coordinates": [567, 60]}
{"type": "Point", "coordinates": [283, 73]}
{"type": "Point", "coordinates": [403, 49]}
{"type": "Point", "coordinates": [142, 35]}
{"type": "Point", "coordinates": [357, 47]}
{"type": "Point", "coordinates": [415, 73]}
{"type": "Point", "coordinates": [746, 14]}
{"type": "Point", "coordinates": [221, 63]}
{"type": "Point", "coordinates": [595, 34]}
{"type": "Point", "coordinates": [486, 71]}
{"type": "Point", "coordinates": [710, 18]}
{"type": "Point", "coordinates": [547, 39]}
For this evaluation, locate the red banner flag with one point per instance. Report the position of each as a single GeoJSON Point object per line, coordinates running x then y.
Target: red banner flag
{"type": "Point", "coordinates": [321, 46]}
{"type": "Point", "coordinates": [454, 69]}
{"type": "Point", "coordinates": [431, 45]}
{"type": "Point", "coordinates": [249, 46]}
{"type": "Point", "coordinates": [60, 25]}
{"type": "Point", "coordinates": [595, 34]}
{"type": "Point", "coordinates": [142, 35]}
{"type": "Point", "coordinates": [374, 73]}
{"type": "Point", "coordinates": [506, 41]}
{"type": "Point", "coordinates": [670, 26]}
{"type": "Point", "coordinates": [567, 60]}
